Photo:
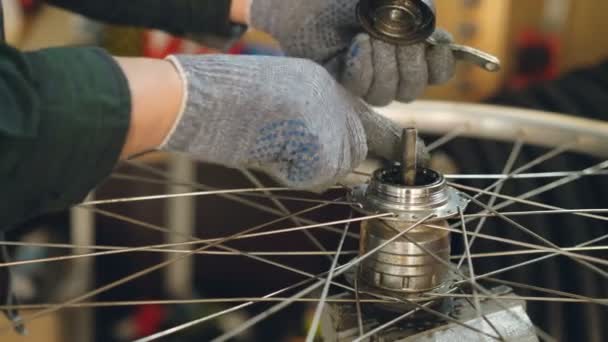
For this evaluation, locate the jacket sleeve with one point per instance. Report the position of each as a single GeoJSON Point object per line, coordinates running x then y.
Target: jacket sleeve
{"type": "Point", "coordinates": [181, 17]}
{"type": "Point", "coordinates": [65, 116]}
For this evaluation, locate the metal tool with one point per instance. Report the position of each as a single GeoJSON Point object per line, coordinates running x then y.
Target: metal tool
{"type": "Point", "coordinates": [471, 55]}
{"type": "Point", "coordinates": [408, 22]}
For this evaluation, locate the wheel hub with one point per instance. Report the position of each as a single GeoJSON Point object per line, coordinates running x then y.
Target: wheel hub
{"type": "Point", "coordinates": [418, 262]}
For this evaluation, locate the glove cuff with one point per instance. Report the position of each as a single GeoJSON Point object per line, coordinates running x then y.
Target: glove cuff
{"type": "Point", "coordinates": [182, 75]}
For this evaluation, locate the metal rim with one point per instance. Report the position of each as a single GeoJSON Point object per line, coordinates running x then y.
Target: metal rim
{"type": "Point", "coordinates": [502, 124]}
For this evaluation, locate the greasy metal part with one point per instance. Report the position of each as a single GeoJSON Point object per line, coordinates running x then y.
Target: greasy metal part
{"type": "Point", "coordinates": [400, 22]}
{"type": "Point", "coordinates": [340, 323]}
{"type": "Point", "coordinates": [386, 193]}
{"type": "Point", "coordinates": [499, 123]}
{"type": "Point", "coordinates": [471, 55]}
{"type": "Point", "coordinates": [409, 159]}
{"type": "Point", "coordinates": [408, 22]}
{"type": "Point", "coordinates": [403, 267]}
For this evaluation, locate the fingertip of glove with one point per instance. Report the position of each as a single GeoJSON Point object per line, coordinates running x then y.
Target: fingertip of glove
{"type": "Point", "coordinates": [360, 47]}
{"type": "Point", "coordinates": [379, 100]}
{"type": "Point", "coordinates": [357, 75]}
{"type": "Point", "coordinates": [442, 64]}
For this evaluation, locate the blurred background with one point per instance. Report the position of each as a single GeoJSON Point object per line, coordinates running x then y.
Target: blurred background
{"type": "Point", "coordinates": [552, 51]}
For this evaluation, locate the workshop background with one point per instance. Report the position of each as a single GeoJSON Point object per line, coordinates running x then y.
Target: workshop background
{"type": "Point", "coordinates": [537, 40]}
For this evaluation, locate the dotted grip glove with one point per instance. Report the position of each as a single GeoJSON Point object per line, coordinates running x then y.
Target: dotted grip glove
{"type": "Point", "coordinates": [328, 32]}
{"type": "Point", "coordinates": [285, 116]}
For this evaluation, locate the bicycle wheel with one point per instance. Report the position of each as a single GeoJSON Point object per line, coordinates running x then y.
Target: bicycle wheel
{"type": "Point", "coordinates": [534, 223]}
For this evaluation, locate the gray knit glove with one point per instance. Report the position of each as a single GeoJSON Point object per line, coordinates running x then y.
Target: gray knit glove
{"type": "Point", "coordinates": [285, 116]}
{"type": "Point", "coordinates": [328, 32]}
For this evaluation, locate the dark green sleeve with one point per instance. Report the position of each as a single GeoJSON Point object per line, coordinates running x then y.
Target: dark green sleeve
{"type": "Point", "coordinates": [65, 116]}
{"type": "Point", "coordinates": [180, 17]}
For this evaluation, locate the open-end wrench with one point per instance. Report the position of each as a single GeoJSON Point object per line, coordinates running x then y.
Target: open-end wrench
{"type": "Point", "coordinates": [406, 22]}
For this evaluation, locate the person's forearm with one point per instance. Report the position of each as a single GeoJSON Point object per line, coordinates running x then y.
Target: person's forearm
{"type": "Point", "coordinates": [240, 11]}
{"type": "Point", "coordinates": [156, 98]}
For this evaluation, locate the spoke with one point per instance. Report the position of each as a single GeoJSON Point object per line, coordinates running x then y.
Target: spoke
{"type": "Point", "coordinates": [537, 161]}
{"type": "Point", "coordinates": [231, 197]}
{"type": "Point", "coordinates": [358, 303]}
{"type": "Point", "coordinates": [511, 200]}
{"type": "Point", "coordinates": [317, 317]}
{"type": "Point", "coordinates": [526, 298]}
{"type": "Point", "coordinates": [253, 179]}
{"type": "Point", "coordinates": [566, 180]}
{"type": "Point", "coordinates": [339, 271]}
{"type": "Point", "coordinates": [164, 249]}
{"type": "Point", "coordinates": [533, 261]}
{"type": "Point", "coordinates": [529, 251]}
{"type": "Point", "coordinates": [247, 233]}
{"type": "Point", "coordinates": [513, 156]}
{"type": "Point", "coordinates": [567, 298]}
{"type": "Point", "coordinates": [135, 275]}
{"type": "Point", "coordinates": [189, 301]}
{"type": "Point", "coordinates": [244, 192]}
{"type": "Point", "coordinates": [537, 175]}
{"type": "Point", "coordinates": [447, 138]}
{"type": "Point", "coordinates": [541, 212]}
{"type": "Point", "coordinates": [313, 226]}
{"type": "Point", "coordinates": [186, 325]}
{"type": "Point", "coordinates": [185, 194]}
{"type": "Point", "coordinates": [242, 306]}
{"type": "Point", "coordinates": [217, 244]}
{"type": "Point", "coordinates": [467, 249]}
{"type": "Point", "coordinates": [267, 195]}
{"type": "Point", "coordinates": [526, 245]}
{"type": "Point", "coordinates": [487, 293]}
{"type": "Point", "coordinates": [573, 256]}
{"type": "Point", "coordinates": [469, 256]}
{"type": "Point", "coordinates": [193, 323]}
{"type": "Point", "coordinates": [603, 302]}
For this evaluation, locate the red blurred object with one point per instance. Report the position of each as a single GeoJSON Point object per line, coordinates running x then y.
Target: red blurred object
{"type": "Point", "coordinates": [157, 44]}
{"type": "Point", "coordinates": [148, 319]}
{"type": "Point", "coordinates": [30, 5]}
{"type": "Point", "coordinates": [537, 58]}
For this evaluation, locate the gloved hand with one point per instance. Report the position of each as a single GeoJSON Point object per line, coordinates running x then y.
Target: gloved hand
{"type": "Point", "coordinates": [328, 32]}
{"type": "Point", "coordinates": [285, 116]}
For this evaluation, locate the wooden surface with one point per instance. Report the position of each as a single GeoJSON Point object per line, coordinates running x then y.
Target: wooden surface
{"type": "Point", "coordinates": [585, 39]}
{"type": "Point", "coordinates": [44, 329]}
{"type": "Point", "coordinates": [490, 19]}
